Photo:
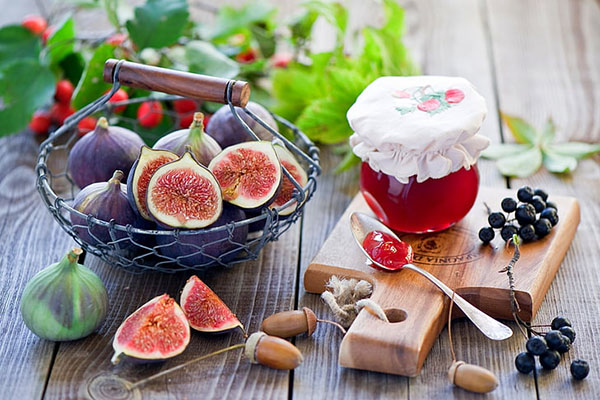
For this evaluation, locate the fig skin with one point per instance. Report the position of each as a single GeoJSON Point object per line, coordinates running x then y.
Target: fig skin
{"type": "Point", "coordinates": [204, 148]}
{"type": "Point", "coordinates": [227, 131]}
{"type": "Point", "coordinates": [100, 152]}
{"type": "Point", "coordinates": [230, 214]}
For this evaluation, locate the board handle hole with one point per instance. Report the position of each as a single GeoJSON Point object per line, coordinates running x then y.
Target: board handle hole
{"type": "Point", "coordinates": [395, 315]}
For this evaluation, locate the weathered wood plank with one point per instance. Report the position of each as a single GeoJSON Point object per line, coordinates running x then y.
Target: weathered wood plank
{"type": "Point", "coordinates": [547, 56]}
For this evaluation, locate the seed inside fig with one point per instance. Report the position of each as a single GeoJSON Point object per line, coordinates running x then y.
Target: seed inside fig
{"type": "Point", "coordinates": [139, 177]}
{"type": "Point", "coordinates": [249, 174]}
{"type": "Point", "coordinates": [227, 131]}
{"type": "Point", "coordinates": [287, 187]}
{"type": "Point", "coordinates": [184, 194]}
{"type": "Point", "coordinates": [100, 152]}
{"type": "Point", "coordinates": [204, 148]}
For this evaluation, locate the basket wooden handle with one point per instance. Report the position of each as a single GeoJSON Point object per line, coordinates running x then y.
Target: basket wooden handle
{"type": "Point", "coordinates": [184, 84]}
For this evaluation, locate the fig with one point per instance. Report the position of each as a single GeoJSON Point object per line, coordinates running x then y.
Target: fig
{"type": "Point", "coordinates": [204, 148]}
{"type": "Point", "coordinates": [154, 332]}
{"type": "Point", "coordinates": [226, 129]}
{"type": "Point", "coordinates": [105, 201]}
{"type": "Point", "coordinates": [290, 163]}
{"type": "Point", "coordinates": [184, 194]}
{"type": "Point", "coordinates": [204, 310]}
{"type": "Point", "coordinates": [99, 153]}
{"type": "Point", "coordinates": [64, 301]}
{"type": "Point", "coordinates": [142, 170]}
{"type": "Point", "coordinates": [186, 248]}
{"type": "Point", "coordinates": [249, 174]}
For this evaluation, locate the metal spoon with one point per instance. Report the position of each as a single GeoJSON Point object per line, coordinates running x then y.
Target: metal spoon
{"type": "Point", "coordinates": [362, 224]}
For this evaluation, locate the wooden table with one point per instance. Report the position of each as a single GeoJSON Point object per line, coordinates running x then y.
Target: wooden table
{"type": "Point", "coordinates": [531, 58]}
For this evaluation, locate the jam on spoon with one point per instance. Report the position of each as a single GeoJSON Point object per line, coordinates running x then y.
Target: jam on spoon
{"type": "Point", "coordinates": [388, 251]}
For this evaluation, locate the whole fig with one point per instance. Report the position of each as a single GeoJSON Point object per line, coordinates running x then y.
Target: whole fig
{"type": "Point", "coordinates": [100, 152]}
{"type": "Point", "coordinates": [204, 148]}
{"type": "Point", "coordinates": [105, 201]}
{"type": "Point", "coordinates": [64, 301]}
{"type": "Point", "coordinates": [227, 131]}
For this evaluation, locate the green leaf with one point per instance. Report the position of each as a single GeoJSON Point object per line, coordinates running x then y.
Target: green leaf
{"type": "Point", "coordinates": [16, 43]}
{"type": "Point", "coordinates": [558, 163]}
{"type": "Point", "coordinates": [301, 26]}
{"type": "Point", "coordinates": [91, 85]}
{"type": "Point", "coordinates": [521, 164]}
{"type": "Point", "coordinates": [111, 9]}
{"type": "Point", "coordinates": [25, 86]}
{"type": "Point", "coordinates": [334, 13]}
{"type": "Point", "coordinates": [578, 150]}
{"type": "Point", "coordinates": [521, 129]}
{"type": "Point", "coordinates": [349, 161]}
{"type": "Point", "coordinates": [265, 39]}
{"type": "Point", "coordinates": [204, 58]}
{"type": "Point", "coordinates": [549, 132]}
{"type": "Point", "coordinates": [62, 42]}
{"type": "Point", "coordinates": [158, 23]}
{"type": "Point", "coordinates": [496, 151]}
{"type": "Point", "coordinates": [295, 88]}
{"type": "Point", "coordinates": [230, 20]}
{"type": "Point", "coordinates": [73, 66]}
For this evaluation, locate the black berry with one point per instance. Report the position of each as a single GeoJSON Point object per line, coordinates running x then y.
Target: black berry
{"type": "Point", "coordinates": [525, 363]}
{"type": "Point", "coordinates": [568, 332]}
{"type": "Point", "coordinates": [550, 214]}
{"type": "Point", "coordinates": [508, 231]}
{"type": "Point", "coordinates": [542, 227]}
{"type": "Point", "coordinates": [527, 233]}
{"type": "Point", "coordinates": [559, 322]}
{"type": "Point", "coordinates": [509, 204]}
{"type": "Point", "coordinates": [496, 220]}
{"type": "Point", "coordinates": [525, 194]}
{"type": "Point", "coordinates": [554, 339]}
{"type": "Point", "coordinates": [565, 346]}
{"type": "Point", "coordinates": [536, 345]}
{"type": "Point", "coordinates": [580, 369]}
{"type": "Point", "coordinates": [486, 234]}
{"type": "Point", "coordinates": [550, 359]}
{"type": "Point", "coordinates": [541, 193]}
{"type": "Point", "coordinates": [525, 214]}
{"type": "Point", "coordinates": [550, 204]}
{"type": "Point", "coordinates": [538, 203]}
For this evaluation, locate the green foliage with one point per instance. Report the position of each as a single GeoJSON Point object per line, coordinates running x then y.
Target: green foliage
{"type": "Point", "coordinates": [158, 23]}
{"type": "Point", "coordinates": [91, 85]}
{"type": "Point", "coordinates": [61, 43]}
{"type": "Point", "coordinates": [204, 58]}
{"type": "Point", "coordinates": [230, 20]}
{"type": "Point", "coordinates": [536, 148]}
{"type": "Point", "coordinates": [17, 43]}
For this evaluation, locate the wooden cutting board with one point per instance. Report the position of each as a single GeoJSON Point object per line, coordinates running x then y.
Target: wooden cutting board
{"type": "Point", "coordinates": [457, 257]}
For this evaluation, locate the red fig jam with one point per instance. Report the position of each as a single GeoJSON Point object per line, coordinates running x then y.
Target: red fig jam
{"type": "Point", "coordinates": [387, 250]}
{"type": "Point", "coordinates": [428, 206]}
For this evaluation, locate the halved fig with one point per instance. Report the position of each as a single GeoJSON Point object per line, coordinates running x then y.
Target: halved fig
{"type": "Point", "coordinates": [184, 194]}
{"type": "Point", "coordinates": [154, 332]}
{"type": "Point", "coordinates": [142, 170]}
{"type": "Point", "coordinates": [249, 174]}
{"type": "Point", "coordinates": [205, 311]}
{"type": "Point", "coordinates": [290, 163]}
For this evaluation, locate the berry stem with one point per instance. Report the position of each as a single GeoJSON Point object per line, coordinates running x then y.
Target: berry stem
{"type": "Point", "coordinates": [487, 208]}
{"type": "Point", "coordinates": [514, 304]}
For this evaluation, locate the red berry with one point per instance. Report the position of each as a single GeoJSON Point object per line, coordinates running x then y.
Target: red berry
{"type": "Point", "coordinates": [59, 112]}
{"type": "Point", "coordinates": [454, 95]}
{"type": "Point", "coordinates": [429, 105]}
{"type": "Point", "coordinates": [184, 106]}
{"type": "Point", "coordinates": [116, 39]}
{"type": "Point", "coordinates": [281, 60]}
{"type": "Point", "coordinates": [34, 23]}
{"type": "Point", "coordinates": [247, 56]}
{"type": "Point", "coordinates": [149, 114]}
{"type": "Point", "coordinates": [47, 33]}
{"type": "Point", "coordinates": [40, 122]}
{"type": "Point", "coordinates": [120, 95]}
{"type": "Point", "coordinates": [64, 91]}
{"type": "Point", "coordinates": [86, 125]}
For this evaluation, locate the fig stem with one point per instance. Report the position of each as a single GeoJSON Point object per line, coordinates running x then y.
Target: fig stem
{"type": "Point", "coordinates": [73, 255]}
{"type": "Point", "coordinates": [243, 331]}
{"type": "Point", "coordinates": [332, 323]}
{"type": "Point", "coordinates": [185, 364]}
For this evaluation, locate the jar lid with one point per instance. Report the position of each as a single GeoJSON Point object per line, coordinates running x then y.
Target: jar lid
{"type": "Point", "coordinates": [418, 125]}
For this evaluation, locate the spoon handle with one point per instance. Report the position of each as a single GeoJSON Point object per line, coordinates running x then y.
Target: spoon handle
{"type": "Point", "coordinates": [486, 324]}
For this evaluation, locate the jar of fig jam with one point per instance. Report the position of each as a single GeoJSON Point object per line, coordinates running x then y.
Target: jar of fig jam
{"type": "Point", "coordinates": [417, 138]}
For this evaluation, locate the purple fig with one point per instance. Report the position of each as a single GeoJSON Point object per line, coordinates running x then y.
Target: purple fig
{"type": "Point", "coordinates": [100, 152]}
{"type": "Point", "coordinates": [227, 131]}
{"type": "Point", "coordinates": [204, 148]}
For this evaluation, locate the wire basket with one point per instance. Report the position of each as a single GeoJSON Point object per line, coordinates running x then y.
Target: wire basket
{"type": "Point", "coordinates": [139, 250]}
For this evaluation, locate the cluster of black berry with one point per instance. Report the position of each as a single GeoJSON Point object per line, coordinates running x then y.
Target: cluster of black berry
{"type": "Point", "coordinates": [530, 226]}
{"type": "Point", "coordinates": [548, 347]}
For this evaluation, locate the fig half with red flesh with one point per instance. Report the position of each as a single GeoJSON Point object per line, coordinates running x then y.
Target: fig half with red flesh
{"type": "Point", "coordinates": [142, 170]}
{"type": "Point", "coordinates": [292, 165]}
{"type": "Point", "coordinates": [205, 311]}
{"type": "Point", "coordinates": [154, 332]}
{"type": "Point", "coordinates": [184, 194]}
{"type": "Point", "coordinates": [249, 174]}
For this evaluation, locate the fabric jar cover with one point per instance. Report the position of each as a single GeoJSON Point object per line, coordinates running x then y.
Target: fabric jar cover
{"type": "Point", "coordinates": [419, 125]}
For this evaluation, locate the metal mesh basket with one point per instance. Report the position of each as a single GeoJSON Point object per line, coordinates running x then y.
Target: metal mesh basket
{"type": "Point", "coordinates": [139, 250]}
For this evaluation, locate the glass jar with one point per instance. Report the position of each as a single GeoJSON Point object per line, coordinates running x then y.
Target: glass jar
{"type": "Point", "coordinates": [428, 206]}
